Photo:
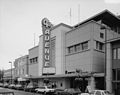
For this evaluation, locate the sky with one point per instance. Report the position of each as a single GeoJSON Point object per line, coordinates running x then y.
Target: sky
{"type": "Point", "coordinates": [20, 21]}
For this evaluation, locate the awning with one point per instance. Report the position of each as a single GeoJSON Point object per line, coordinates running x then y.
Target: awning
{"type": "Point", "coordinates": [21, 79]}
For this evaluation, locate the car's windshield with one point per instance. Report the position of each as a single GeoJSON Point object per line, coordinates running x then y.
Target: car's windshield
{"type": "Point", "coordinates": [42, 87]}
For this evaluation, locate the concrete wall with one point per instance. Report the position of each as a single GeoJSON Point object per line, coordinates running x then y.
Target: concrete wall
{"type": "Point", "coordinates": [40, 58]}
{"type": "Point", "coordinates": [80, 60]}
{"type": "Point", "coordinates": [98, 55]}
{"type": "Point", "coordinates": [109, 68]}
{"type": "Point", "coordinates": [59, 33]}
{"type": "Point", "coordinates": [33, 68]}
{"type": "Point", "coordinates": [21, 66]}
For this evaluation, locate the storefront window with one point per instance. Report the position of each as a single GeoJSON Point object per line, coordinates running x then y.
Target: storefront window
{"type": "Point", "coordinates": [118, 74]}
{"type": "Point", "coordinates": [114, 74]}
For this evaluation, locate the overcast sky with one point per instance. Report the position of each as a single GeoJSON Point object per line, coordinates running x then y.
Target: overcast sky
{"type": "Point", "coordinates": [20, 21]}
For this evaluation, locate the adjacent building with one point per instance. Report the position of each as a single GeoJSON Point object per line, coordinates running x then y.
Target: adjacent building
{"type": "Point", "coordinates": [9, 75]}
{"type": "Point", "coordinates": [21, 67]}
{"type": "Point", "coordinates": [113, 65]}
{"type": "Point", "coordinates": [33, 61]}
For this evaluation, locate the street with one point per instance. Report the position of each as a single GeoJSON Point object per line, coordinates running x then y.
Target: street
{"type": "Point", "coordinates": [18, 92]}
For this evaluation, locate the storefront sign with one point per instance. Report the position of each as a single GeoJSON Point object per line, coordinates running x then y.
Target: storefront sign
{"type": "Point", "coordinates": [46, 28]}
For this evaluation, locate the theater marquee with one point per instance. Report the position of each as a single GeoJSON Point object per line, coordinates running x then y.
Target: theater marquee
{"type": "Point", "coordinates": [46, 28]}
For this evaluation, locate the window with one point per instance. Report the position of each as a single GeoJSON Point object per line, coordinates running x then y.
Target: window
{"type": "Point", "coordinates": [30, 61]}
{"type": "Point", "coordinates": [114, 53]}
{"type": "Point", "coordinates": [71, 49]}
{"type": "Point", "coordinates": [78, 47]}
{"type": "Point", "coordinates": [84, 45]}
{"type": "Point", "coordinates": [53, 46]}
{"type": "Point", "coordinates": [118, 74]}
{"type": "Point", "coordinates": [118, 53]}
{"type": "Point", "coordinates": [114, 74]}
{"type": "Point", "coordinates": [101, 35]}
{"type": "Point", "coordinates": [34, 60]}
{"type": "Point", "coordinates": [99, 45]}
{"type": "Point", "coordinates": [61, 84]}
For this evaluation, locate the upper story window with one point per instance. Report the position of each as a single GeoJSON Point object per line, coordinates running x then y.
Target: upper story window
{"type": "Point", "coordinates": [99, 45]}
{"type": "Point", "coordinates": [118, 53]}
{"type": "Point", "coordinates": [85, 45]}
{"type": "Point", "coordinates": [71, 49]}
{"type": "Point", "coordinates": [34, 60]}
{"type": "Point", "coordinates": [102, 35]}
{"type": "Point", "coordinates": [78, 47]}
{"type": "Point", "coordinates": [114, 53]}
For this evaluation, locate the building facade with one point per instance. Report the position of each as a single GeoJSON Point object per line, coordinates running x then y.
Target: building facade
{"type": "Point", "coordinates": [9, 75]}
{"type": "Point", "coordinates": [82, 48]}
{"type": "Point", "coordinates": [21, 67]}
{"type": "Point", "coordinates": [113, 66]}
{"type": "Point", "coordinates": [33, 61]}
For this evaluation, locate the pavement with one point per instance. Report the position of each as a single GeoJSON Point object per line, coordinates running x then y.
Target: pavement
{"type": "Point", "coordinates": [17, 92]}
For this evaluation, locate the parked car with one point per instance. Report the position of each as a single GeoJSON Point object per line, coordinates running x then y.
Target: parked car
{"type": "Point", "coordinates": [44, 89]}
{"type": "Point", "coordinates": [70, 91]}
{"type": "Point", "coordinates": [19, 87]}
{"type": "Point", "coordinates": [5, 85]}
{"type": "Point", "coordinates": [1, 84]}
{"type": "Point", "coordinates": [58, 91]}
{"type": "Point", "coordinates": [30, 88]}
{"type": "Point", "coordinates": [12, 86]}
{"type": "Point", "coordinates": [99, 92]}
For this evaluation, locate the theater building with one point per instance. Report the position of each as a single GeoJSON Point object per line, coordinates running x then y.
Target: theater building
{"type": "Point", "coordinates": [71, 57]}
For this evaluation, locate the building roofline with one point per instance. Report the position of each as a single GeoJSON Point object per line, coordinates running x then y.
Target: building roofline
{"type": "Point", "coordinates": [113, 40]}
{"type": "Point", "coordinates": [33, 47]}
{"type": "Point", "coordinates": [97, 15]}
{"type": "Point", "coordinates": [91, 21]}
{"type": "Point", "coordinates": [54, 27]}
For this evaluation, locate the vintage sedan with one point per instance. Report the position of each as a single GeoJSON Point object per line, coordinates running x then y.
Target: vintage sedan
{"type": "Point", "coordinates": [99, 92]}
{"type": "Point", "coordinates": [44, 89]}
{"type": "Point", "coordinates": [70, 91]}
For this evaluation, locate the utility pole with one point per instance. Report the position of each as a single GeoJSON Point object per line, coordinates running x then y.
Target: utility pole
{"type": "Point", "coordinates": [78, 13]}
{"type": "Point", "coordinates": [11, 71]}
{"type": "Point", "coordinates": [70, 16]}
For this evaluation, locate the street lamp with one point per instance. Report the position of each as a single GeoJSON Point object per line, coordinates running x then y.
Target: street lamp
{"type": "Point", "coordinates": [11, 71]}
{"type": "Point", "coordinates": [105, 28]}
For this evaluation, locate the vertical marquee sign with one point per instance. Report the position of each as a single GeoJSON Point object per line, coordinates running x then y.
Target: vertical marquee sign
{"type": "Point", "coordinates": [46, 28]}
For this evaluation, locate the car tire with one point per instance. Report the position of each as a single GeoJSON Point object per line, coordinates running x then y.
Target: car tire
{"type": "Point", "coordinates": [44, 93]}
